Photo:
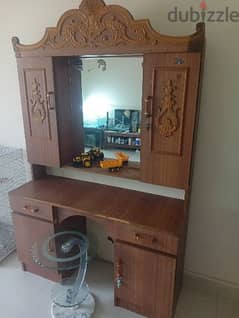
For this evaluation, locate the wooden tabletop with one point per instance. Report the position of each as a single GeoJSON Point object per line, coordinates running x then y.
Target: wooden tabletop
{"type": "Point", "coordinates": [158, 213]}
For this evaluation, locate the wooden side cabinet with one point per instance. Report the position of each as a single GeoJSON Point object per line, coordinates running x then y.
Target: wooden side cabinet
{"type": "Point", "coordinates": [27, 231]}
{"type": "Point", "coordinates": [39, 110]}
{"type": "Point", "coordinates": [144, 281]}
{"type": "Point", "coordinates": [170, 94]}
{"type": "Point", "coordinates": [30, 229]}
{"type": "Point", "coordinates": [52, 109]}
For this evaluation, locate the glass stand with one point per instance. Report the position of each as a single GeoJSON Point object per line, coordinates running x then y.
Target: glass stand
{"type": "Point", "coordinates": [66, 251]}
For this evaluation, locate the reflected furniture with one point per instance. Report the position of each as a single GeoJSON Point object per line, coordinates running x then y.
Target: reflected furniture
{"type": "Point", "coordinates": [94, 137]}
{"type": "Point", "coordinates": [148, 231]}
{"type": "Point", "coordinates": [128, 141]}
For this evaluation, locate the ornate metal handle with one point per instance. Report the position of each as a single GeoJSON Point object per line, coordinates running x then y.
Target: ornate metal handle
{"type": "Point", "coordinates": [148, 103]}
{"type": "Point", "coordinates": [118, 278]}
{"type": "Point", "coordinates": [145, 237]}
{"type": "Point", "coordinates": [148, 113]}
{"type": "Point", "coordinates": [49, 94]}
{"type": "Point", "coordinates": [31, 210]}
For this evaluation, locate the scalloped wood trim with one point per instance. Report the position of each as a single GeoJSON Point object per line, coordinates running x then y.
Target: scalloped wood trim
{"type": "Point", "coordinates": [97, 28]}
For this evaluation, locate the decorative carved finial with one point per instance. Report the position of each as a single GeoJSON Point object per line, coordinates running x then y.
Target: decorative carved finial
{"type": "Point", "coordinates": [16, 44]}
{"type": "Point", "coordinates": [15, 40]}
{"type": "Point", "coordinates": [91, 6]}
{"type": "Point", "coordinates": [200, 27]}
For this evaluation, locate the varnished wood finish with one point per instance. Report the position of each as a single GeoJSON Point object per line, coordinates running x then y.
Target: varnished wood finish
{"type": "Point", "coordinates": [69, 109]}
{"type": "Point", "coordinates": [38, 97]}
{"type": "Point", "coordinates": [38, 171]}
{"type": "Point", "coordinates": [147, 281]}
{"type": "Point", "coordinates": [56, 114]}
{"type": "Point", "coordinates": [149, 231]}
{"type": "Point", "coordinates": [33, 208]}
{"type": "Point", "coordinates": [29, 230]}
{"type": "Point", "coordinates": [148, 227]}
{"type": "Point", "coordinates": [170, 95]}
{"type": "Point", "coordinates": [97, 28]}
{"type": "Point", "coordinates": [181, 256]}
{"type": "Point", "coordinates": [195, 134]}
{"type": "Point", "coordinates": [147, 211]}
{"type": "Point", "coordinates": [146, 238]}
{"type": "Point", "coordinates": [76, 100]}
{"type": "Point", "coordinates": [131, 171]}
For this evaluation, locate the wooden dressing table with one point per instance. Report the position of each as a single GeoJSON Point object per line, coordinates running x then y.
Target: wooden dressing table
{"type": "Point", "coordinates": [148, 231]}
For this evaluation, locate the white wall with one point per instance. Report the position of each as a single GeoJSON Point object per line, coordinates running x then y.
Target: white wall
{"type": "Point", "coordinates": [119, 86]}
{"type": "Point", "coordinates": [121, 82]}
{"type": "Point", "coordinates": [214, 220]}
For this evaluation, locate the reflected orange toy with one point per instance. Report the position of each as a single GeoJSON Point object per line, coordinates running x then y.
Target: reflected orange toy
{"type": "Point", "coordinates": [122, 156]}
{"type": "Point", "coordinates": [111, 164]}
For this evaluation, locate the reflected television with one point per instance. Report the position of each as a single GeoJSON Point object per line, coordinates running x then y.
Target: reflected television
{"type": "Point", "coordinates": [127, 120]}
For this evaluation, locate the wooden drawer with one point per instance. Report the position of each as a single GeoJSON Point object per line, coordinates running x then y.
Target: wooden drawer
{"type": "Point", "coordinates": [156, 241]}
{"type": "Point", "coordinates": [32, 208]}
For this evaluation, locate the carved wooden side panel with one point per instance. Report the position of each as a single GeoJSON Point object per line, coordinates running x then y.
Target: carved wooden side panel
{"type": "Point", "coordinates": [170, 86]}
{"type": "Point", "coordinates": [37, 108]}
{"type": "Point", "coordinates": [170, 90]}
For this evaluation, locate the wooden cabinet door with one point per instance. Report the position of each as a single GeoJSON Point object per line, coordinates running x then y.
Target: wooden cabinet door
{"type": "Point", "coordinates": [170, 97]}
{"type": "Point", "coordinates": [144, 281]}
{"type": "Point", "coordinates": [39, 110]}
{"type": "Point", "coordinates": [27, 231]}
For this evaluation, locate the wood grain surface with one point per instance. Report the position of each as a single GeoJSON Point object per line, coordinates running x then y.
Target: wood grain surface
{"type": "Point", "coordinates": [153, 212]}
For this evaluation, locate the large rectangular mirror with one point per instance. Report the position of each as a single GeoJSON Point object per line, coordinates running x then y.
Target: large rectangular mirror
{"type": "Point", "coordinates": [112, 98]}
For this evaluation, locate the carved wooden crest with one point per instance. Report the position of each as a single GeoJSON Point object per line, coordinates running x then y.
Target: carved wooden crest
{"type": "Point", "coordinates": [96, 26]}
{"type": "Point", "coordinates": [38, 104]}
{"type": "Point", "coordinates": [167, 118]}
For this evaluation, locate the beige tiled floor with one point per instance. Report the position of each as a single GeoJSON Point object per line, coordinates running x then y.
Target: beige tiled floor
{"type": "Point", "coordinates": [227, 308]}
{"type": "Point", "coordinates": [21, 293]}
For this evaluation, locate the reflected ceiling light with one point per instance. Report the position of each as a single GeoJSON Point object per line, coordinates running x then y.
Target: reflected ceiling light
{"type": "Point", "coordinates": [96, 106]}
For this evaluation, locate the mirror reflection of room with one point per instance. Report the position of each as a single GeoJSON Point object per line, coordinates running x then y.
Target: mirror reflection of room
{"type": "Point", "coordinates": [112, 97]}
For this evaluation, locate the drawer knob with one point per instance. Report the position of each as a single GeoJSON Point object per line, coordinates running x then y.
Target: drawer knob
{"type": "Point", "coordinates": [30, 209]}
{"type": "Point", "coordinates": [145, 238]}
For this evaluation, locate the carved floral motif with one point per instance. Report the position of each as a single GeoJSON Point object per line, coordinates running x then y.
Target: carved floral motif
{"type": "Point", "coordinates": [38, 108]}
{"type": "Point", "coordinates": [167, 118]}
{"type": "Point", "coordinates": [95, 26]}
{"type": "Point", "coordinates": [107, 28]}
